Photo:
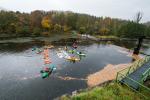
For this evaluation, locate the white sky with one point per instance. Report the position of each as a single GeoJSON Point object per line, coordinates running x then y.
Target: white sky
{"type": "Point", "coordinates": [125, 9]}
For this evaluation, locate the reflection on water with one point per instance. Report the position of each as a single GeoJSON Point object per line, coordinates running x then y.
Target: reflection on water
{"type": "Point", "coordinates": [20, 68]}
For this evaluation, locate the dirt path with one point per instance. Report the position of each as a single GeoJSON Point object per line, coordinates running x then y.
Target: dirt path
{"type": "Point", "coordinates": [108, 73]}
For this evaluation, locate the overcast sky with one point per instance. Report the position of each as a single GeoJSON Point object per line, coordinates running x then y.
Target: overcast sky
{"type": "Point", "coordinates": [125, 9]}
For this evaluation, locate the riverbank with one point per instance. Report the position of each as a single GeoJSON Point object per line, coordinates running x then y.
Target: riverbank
{"type": "Point", "coordinates": [107, 37]}
{"type": "Point", "coordinates": [107, 91]}
{"type": "Point", "coordinates": [113, 38]}
{"type": "Point", "coordinates": [107, 74]}
{"type": "Point", "coordinates": [91, 37]}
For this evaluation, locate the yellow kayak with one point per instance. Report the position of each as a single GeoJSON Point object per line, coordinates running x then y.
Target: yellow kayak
{"type": "Point", "coordinates": [73, 59]}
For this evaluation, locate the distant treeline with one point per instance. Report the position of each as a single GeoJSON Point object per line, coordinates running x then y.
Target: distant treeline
{"type": "Point", "coordinates": [41, 23]}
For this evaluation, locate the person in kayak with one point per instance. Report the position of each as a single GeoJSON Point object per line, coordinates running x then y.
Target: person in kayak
{"type": "Point", "coordinates": [75, 45]}
{"type": "Point", "coordinates": [46, 72]}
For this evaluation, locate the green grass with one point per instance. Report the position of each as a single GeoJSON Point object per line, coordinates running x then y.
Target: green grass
{"type": "Point", "coordinates": [112, 91]}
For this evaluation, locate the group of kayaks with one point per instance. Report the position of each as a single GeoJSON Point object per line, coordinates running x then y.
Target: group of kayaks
{"type": "Point", "coordinates": [64, 54]}
{"type": "Point", "coordinates": [49, 67]}
{"type": "Point", "coordinates": [71, 55]}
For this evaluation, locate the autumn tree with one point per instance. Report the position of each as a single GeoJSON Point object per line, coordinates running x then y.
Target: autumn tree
{"type": "Point", "coordinates": [39, 22]}
{"type": "Point", "coordinates": [66, 28]}
{"type": "Point", "coordinates": [104, 31]}
{"type": "Point", "coordinates": [46, 23]}
{"type": "Point", "coordinates": [57, 28]}
{"type": "Point", "coordinates": [36, 18]}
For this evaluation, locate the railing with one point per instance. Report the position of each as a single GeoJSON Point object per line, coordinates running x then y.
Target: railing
{"type": "Point", "coordinates": [133, 67]}
{"type": "Point", "coordinates": [143, 90]}
{"type": "Point", "coordinates": [145, 75]}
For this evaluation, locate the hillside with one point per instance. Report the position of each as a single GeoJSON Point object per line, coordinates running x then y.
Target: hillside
{"type": "Point", "coordinates": [111, 91]}
{"type": "Point", "coordinates": [45, 23]}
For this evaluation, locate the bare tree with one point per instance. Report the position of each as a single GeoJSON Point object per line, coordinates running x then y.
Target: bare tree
{"type": "Point", "coordinates": [138, 17]}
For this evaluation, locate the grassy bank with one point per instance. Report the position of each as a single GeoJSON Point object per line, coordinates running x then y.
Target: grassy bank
{"type": "Point", "coordinates": [111, 91]}
{"type": "Point", "coordinates": [107, 37]}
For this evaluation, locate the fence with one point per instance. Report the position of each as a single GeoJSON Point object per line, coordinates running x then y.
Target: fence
{"type": "Point", "coordinates": [134, 67]}
{"type": "Point", "coordinates": [143, 90]}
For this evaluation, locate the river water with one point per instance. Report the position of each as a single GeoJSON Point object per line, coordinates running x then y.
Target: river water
{"type": "Point", "coordinates": [20, 66]}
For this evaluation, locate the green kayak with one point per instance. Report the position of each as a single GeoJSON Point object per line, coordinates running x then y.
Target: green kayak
{"type": "Point", "coordinates": [80, 54]}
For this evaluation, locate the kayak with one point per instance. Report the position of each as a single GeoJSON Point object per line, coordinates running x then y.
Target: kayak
{"type": "Point", "coordinates": [34, 48]}
{"type": "Point", "coordinates": [63, 54]}
{"type": "Point", "coordinates": [47, 71]}
{"type": "Point", "coordinates": [77, 52]}
{"type": "Point", "coordinates": [80, 54]}
{"type": "Point", "coordinates": [45, 74]}
{"type": "Point", "coordinates": [39, 51]}
{"type": "Point", "coordinates": [66, 55]}
{"type": "Point", "coordinates": [73, 58]}
{"type": "Point", "coordinates": [72, 51]}
{"type": "Point", "coordinates": [60, 55]}
{"type": "Point", "coordinates": [52, 66]}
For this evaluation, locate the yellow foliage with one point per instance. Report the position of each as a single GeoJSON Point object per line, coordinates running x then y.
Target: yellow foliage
{"type": "Point", "coordinates": [57, 27]}
{"type": "Point", "coordinates": [46, 23]}
{"type": "Point", "coordinates": [104, 31]}
{"type": "Point", "coordinates": [66, 28]}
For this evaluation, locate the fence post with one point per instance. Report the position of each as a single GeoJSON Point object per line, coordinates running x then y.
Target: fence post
{"type": "Point", "coordinates": [128, 70]}
{"type": "Point", "coordinates": [117, 77]}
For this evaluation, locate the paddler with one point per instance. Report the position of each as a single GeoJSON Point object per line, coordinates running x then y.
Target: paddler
{"type": "Point", "coordinates": [75, 45]}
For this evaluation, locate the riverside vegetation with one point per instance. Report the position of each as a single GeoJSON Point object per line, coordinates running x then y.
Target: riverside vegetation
{"type": "Point", "coordinates": [42, 23]}
{"type": "Point", "coordinates": [109, 91]}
